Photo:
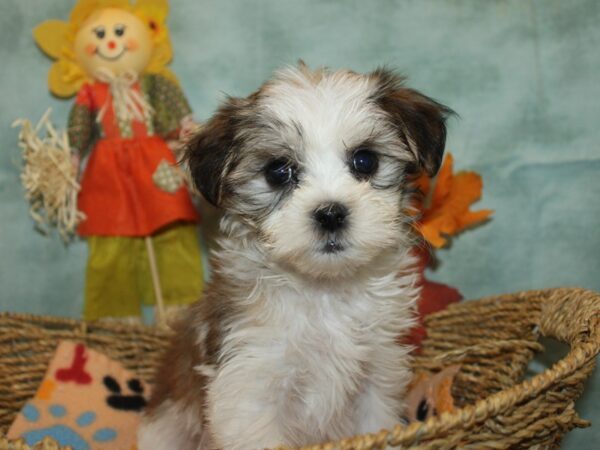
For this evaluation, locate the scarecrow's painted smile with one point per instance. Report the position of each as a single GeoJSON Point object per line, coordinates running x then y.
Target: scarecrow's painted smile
{"type": "Point", "coordinates": [110, 58]}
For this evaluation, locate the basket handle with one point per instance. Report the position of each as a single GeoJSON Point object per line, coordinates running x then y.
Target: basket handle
{"type": "Point", "coordinates": [571, 315]}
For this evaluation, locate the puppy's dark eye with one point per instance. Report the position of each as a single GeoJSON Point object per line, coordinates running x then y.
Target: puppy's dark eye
{"type": "Point", "coordinates": [279, 172]}
{"type": "Point", "coordinates": [422, 410]}
{"type": "Point", "coordinates": [119, 30]}
{"type": "Point", "coordinates": [99, 32]}
{"type": "Point", "coordinates": [364, 162]}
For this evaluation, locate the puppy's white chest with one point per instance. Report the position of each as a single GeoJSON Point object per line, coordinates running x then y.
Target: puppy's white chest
{"type": "Point", "coordinates": [306, 365]}
{"type": "Point", "coordinates": [324, 350]}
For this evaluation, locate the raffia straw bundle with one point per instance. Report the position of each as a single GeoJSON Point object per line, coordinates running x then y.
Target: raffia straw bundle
{"type": "Point", "coordinates": [492, 339]}
{"type": "Point", "coordinates": [49, 177]}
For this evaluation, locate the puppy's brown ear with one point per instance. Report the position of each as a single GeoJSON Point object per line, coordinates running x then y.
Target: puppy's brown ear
{"type": "Point", "coordinates": [420, 120]}
{"type": "Point", "coordinates": [211, 153]}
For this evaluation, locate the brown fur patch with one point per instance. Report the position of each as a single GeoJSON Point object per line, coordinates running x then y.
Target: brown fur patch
{"type": "Point", "coordinates": [176, 377]}
{"type": "Point", "coordinates": [211, 152]}
{"type": "Point", "coordinates": [420, 120]}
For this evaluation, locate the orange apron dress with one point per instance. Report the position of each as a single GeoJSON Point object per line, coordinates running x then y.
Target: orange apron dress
{"type": "Point", "coordinates": [118, 194]}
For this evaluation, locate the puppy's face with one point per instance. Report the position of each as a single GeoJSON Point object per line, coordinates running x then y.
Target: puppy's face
{"type": "Point", "coordinates": [316, 165]}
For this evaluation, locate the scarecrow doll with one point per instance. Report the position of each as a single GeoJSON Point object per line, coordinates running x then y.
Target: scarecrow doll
{"type": "Point", "coordinates": [133, 207]}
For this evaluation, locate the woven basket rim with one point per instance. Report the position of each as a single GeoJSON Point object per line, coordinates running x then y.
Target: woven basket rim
{"type": "Point", "coordinates": [82, 325]}
{"type": "Point", "coordinates": [570, 315]}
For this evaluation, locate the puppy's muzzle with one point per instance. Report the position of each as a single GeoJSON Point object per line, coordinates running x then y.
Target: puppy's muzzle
{"type": "Point", "coordinates": [331, 217]}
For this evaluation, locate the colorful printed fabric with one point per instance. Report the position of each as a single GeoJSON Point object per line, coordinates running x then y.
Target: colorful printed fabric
{"type": "Point", "coordinates": [86, 401]}
{"type": "Point", "coordinates": [169, 103]}
{"type": "Point", "coordinates": [81, 128]}
{"type": "Point", "coordinates": [119, 281]}
{"type": "Point", "coordinates": [168, 177]}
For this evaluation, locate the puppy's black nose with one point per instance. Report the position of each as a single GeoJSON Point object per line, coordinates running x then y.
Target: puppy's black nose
{"type": "Point", "coordinates": [331, 216]}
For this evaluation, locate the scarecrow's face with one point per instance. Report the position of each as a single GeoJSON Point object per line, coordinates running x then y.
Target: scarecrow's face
{"type": "Point", "coordinates": [113, 39]}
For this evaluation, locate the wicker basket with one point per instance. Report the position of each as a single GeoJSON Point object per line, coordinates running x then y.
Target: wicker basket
{"type": "Point", "coordinates": [493, 339]}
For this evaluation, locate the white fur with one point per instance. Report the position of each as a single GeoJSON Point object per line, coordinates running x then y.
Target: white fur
{"type": "Point", "coordinates": [314, 361]}
{"type": "Point", "coordinates": [172, 428]}
{"type": "Point", "coordinates": [314, 356]}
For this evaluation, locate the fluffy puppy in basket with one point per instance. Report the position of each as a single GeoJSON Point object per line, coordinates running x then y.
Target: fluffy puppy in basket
{"type": "Point", "coordinates": [295, 340]}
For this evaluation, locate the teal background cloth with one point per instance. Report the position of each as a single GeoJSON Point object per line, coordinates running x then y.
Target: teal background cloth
{"type": "Point", "coordinates": [524, 76]}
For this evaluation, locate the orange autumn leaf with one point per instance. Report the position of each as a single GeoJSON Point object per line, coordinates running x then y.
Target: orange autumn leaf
{"type": "Point", "coordinates": [447, 213]}
{"type": "Point", "coordinates": [430, 394]}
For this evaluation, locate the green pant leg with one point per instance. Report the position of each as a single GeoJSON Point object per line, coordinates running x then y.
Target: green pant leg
{"type": "Point", "coordinates": [111, 288]}
{"type": "Point", "coordinates": [179, 264]}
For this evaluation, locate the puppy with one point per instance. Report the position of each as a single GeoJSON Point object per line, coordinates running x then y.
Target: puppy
{"type": "Point", "coordinates": [295, 341]}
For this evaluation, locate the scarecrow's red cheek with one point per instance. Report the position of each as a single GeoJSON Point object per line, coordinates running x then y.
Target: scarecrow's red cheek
{"type": "Point", "coordinates": [132, 44]}
{"type": "Point", "coordinates": [90, 49]}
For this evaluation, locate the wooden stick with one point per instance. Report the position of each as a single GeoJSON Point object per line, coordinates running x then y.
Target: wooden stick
{"type": "Point", "coordinates": [160, 303]}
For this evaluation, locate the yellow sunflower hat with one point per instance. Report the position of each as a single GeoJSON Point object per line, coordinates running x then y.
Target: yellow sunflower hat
{"type": "Point", "coordinates": [56, 38]}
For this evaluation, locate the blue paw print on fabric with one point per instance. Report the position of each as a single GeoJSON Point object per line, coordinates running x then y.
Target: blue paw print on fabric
{"type": "Point", "coordinates": [64, 434]}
